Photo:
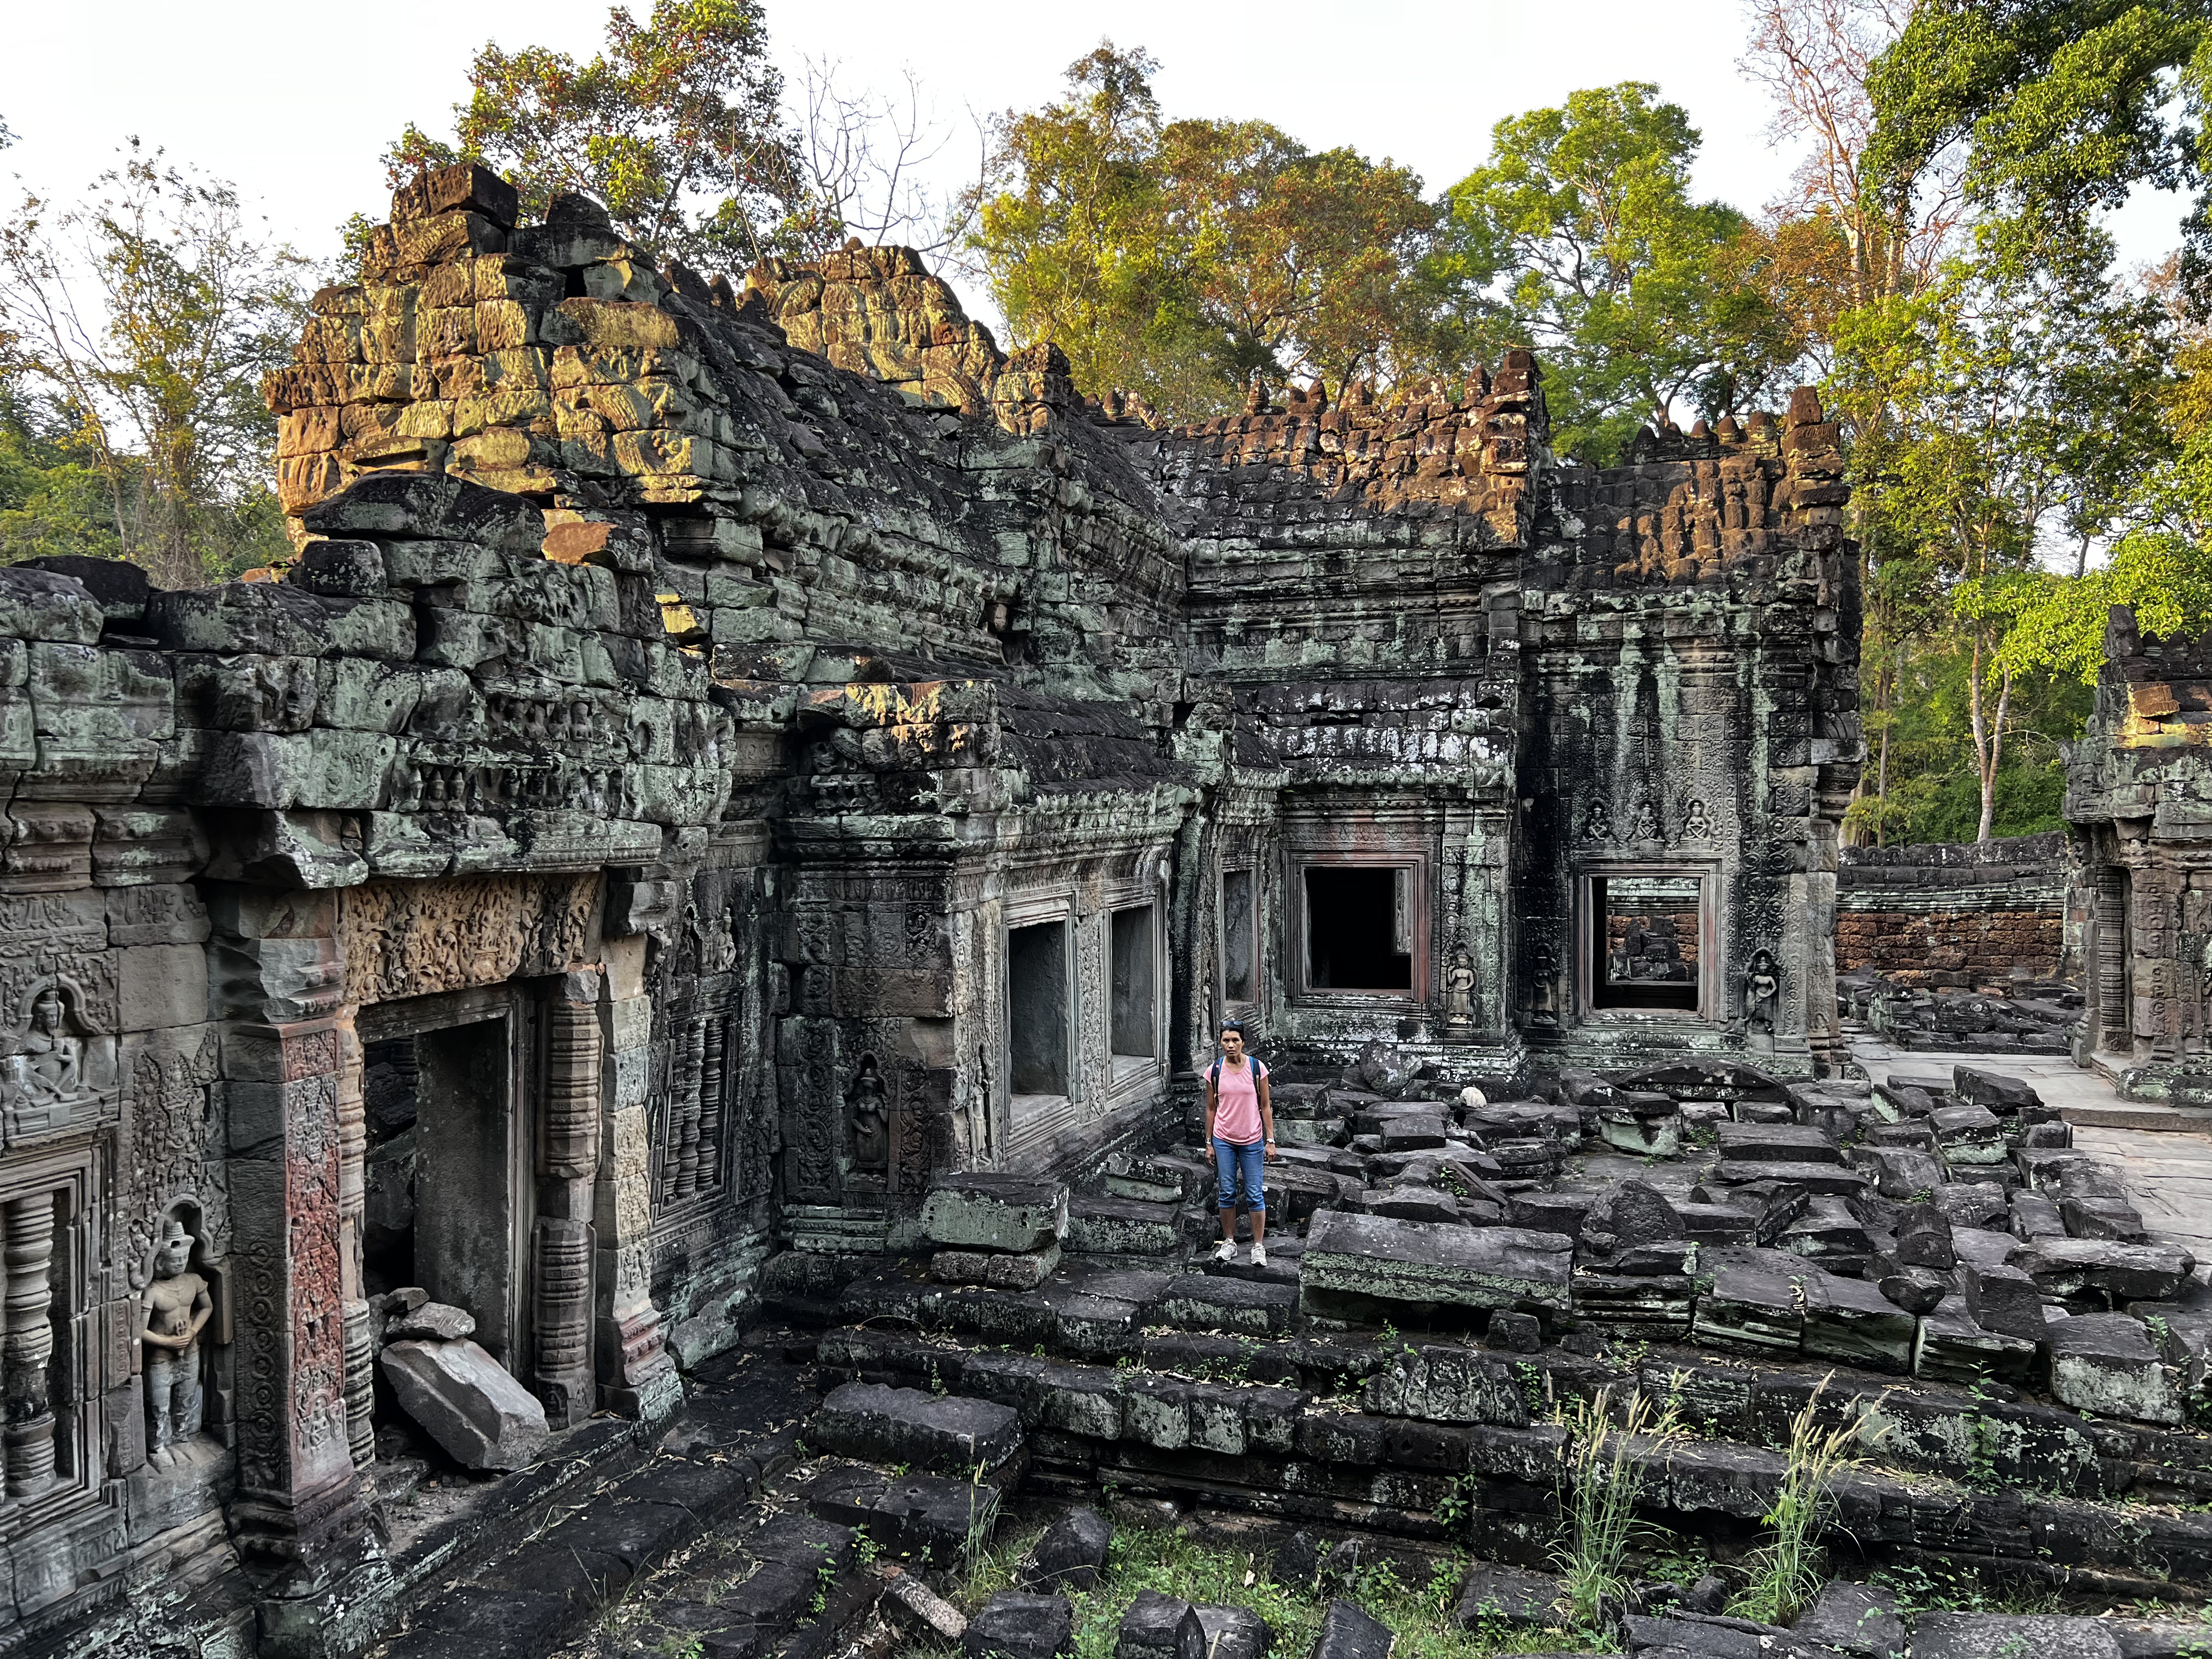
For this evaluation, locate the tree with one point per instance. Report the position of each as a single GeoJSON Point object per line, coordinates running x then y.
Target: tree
{"type": "Point", "coordinates": [676, 127]}
{"type": "Point", "coordinates": [1185, 261]}
{"type": "Point", "coordinates": [2013, 396]}
{"type": "Point", "coordinates": [1581, 234]}
{"type": "Point", "coordinates": [2057, 108]}
{"type": "Point", "coordinates": [1072, 229]}
{"type": "Point", "coordinates": [148, 316]}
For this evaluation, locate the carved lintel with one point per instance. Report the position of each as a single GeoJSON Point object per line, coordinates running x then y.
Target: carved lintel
{"type": "Point", "coordinates": [406, 938]}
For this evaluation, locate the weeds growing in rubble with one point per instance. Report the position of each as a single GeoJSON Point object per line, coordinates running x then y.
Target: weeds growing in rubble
{"type": "Point", "coordinates": [1608, 1465]}
{"type": "Point", "coordinates": [1787, 1573]}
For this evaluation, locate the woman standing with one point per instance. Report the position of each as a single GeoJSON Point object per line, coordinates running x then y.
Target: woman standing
{"type": "Point", "coordinates": [1240, 1125]}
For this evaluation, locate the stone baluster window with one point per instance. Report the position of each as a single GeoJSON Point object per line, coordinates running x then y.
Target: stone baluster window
{"type": "Point", "coordinates": [51, 1366]}
{"type": "Point", "coordinates": [692, 1105]}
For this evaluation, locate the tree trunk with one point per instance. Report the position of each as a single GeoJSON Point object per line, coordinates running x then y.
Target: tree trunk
{"type": "Point", "coordinates": [1989, 750]}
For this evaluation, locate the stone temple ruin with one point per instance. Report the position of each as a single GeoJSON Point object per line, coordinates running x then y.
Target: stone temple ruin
{"type": "Point", "coordinates": [745, 812]}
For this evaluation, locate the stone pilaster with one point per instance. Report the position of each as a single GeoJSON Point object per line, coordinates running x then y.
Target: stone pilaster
{"type": "Point", "coordinates": [636, 1375]}
{"type": "Point", "coordinates": [567, 1164]}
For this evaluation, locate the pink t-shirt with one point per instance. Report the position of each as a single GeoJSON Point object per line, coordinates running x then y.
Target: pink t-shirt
{"type": "Point", "coordinates": [1236, 1101]}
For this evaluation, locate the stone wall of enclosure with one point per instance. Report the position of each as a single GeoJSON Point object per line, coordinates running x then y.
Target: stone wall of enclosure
{"type": "Point", "coordinates": [725, 755]}
{"type": "Point", "coordinates": [1956, 913]}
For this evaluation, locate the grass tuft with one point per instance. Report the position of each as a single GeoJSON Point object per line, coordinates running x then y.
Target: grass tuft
{"type": "Point", "coordinates": [1608, 1466]}
{"type": "Point", "coordinates": [1787, 1572]}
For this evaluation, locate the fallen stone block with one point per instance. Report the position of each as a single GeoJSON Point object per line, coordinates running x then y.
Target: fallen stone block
{"type": "Point", "coordinates": [999, 1271]}
{"type": "Point", "coordinates": [430, 1321]}
{"type": "Point", "coordinates": [1347, 1632]}
{"type": "Point", "coordinates": [1120, 1226]}
{"type": "Point", "coordinates": [1642, 1129]}
{"type": "Point", "coordinates": [1716, 1223]}
{"type": "Point", "coordinates": [1993, 1090]}
{"type": "Point", "coordinates": [1831, 1178]}
{"type": "Point", "coordinates": [1421, 1261]}
{"type": "Point", "coordinates": [1923, 1238]}
{"type": "Point", "coordinates": [2034, 1216]}
{"type": "Point", "coordinates": [1158, 1627]}
{"type": "Point", "coordinates": [1776, 1143]}
{"type": "Point", "coordinates": [1016, 1624]}
{"type": "Point", "coordinates": [1970, 1135]}
{"type": "Point", "coordinates": [1749, 1309]}
{"type": "Point", "coordinates": [914, 1604]}
{"type": "Point", "coordinates": [946, 1435]}
{"type": "Point", "coordinates": [2107, 1364]}
{"type": "Point", "coordinates": [1998, 1636]}
{"type": "Point", "coordinates": [1951, 1347]}
{"type": "Point", "coordinates": [1232, 1632]}
{"type": "Point", "coordinates": [2126, 1272]}
{"type": "Point", "coordinates": [465, 1400]}
{"type": "Point", "coordinates": [2113, 1218]}
{"type": "Point", "coordinates": [1628, 1214]}
{"type": "Point", "coordinates": [2004, 1299]}
{"type": "Point", "coordinates": [1491, 1596]}
{"type": "Point", "coordinates": [1851, 1321]}
{"type": "Point", "coordinates": [1010, 1213]}
{"type": "Point", "coordinates": [1157, 1178]}
{"type": "Point", "coordinates": [1070, 1554]}
{"type": "Point", "coordinates": [1902, 1174]}
{"type": "Point", "coordinates": [926, 1517]}
{"type": "Point", "coordinates": [1973, 1204]}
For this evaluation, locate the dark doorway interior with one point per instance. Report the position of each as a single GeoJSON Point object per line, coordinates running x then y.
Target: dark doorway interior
{"type": "Point", "coordinates": [1356, 929]}
{"type": "Point", "coordinates": [1239, 931]}
{"type": "Point", "coordinates": [1649, 943]}
{"type": "Point", "coordinates": [1133, 1009]}
{"type": "Point", "coordinates": [1036, 1007]}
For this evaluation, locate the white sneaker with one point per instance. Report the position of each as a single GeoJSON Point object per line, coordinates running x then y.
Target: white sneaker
{"type": "Point", "coordinates": [1259, 1255]}
{"type": "Point", "coordinates": [1225, 1251]}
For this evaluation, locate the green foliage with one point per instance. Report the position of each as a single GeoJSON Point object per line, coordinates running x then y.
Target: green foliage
{"type": "Point", "coordinates": [2060, 106]}
{"type": "Point", "coordinates": [1581, 234]}
{"type": "Point", "coordinates": [676, 127]}
{"type": "Point", "coordinates": [138, 325]}
{"type": "Point", "coordinates": [1786, 1572]}
{"type": "Point", "coordinates": [1602, 1481]}
{"type": "Point", "coordinates": [1181, 261]}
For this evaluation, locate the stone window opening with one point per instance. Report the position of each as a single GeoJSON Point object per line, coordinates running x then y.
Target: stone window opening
{"type": "Point", "coordinates": [1359, 928]}
{"type": "Point", "coordinates": [1038, 1023]}
{"type": "Point", "coordinates": [1132, 1027]}
{"type": "Point", "coordinates": [50, 1464]}
{"type": "Point", "coordinates": [1240, 938]}
{"type": "Point", "coordinates": [1648, 945]}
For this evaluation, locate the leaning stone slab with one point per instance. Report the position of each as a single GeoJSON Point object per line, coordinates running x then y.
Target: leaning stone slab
{"type": "Point", "coordinates": [1428, 1262]}
{"type": "Point", "coordinates": [2032, 1636]}
{"type": "Point", "coordinates": [1070, 1555]}
{"type": "Point", "coordinates": [946, 1436]}
{"type": "Point", "coordinates": [1851, 1321]}
{"type": "Point", "coordinates": [1006, 1213]}
{"type": "Point", "coordinates": [1347, 1632]}
{"type": "Point", "coordinates": [467, 1402]}
{"type": "Point", "coordinates": [1993, 1090]}
{"type": "Point", "coordinates": [1121, 1226]}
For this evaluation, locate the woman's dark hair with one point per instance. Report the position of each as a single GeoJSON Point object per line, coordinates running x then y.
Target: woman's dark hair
{"type": "Point", "coordinates": [1236, 1026]}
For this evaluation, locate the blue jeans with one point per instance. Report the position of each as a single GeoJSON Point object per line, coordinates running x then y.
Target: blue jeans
{"type": "Point", "coordinates": [1230, 1160]}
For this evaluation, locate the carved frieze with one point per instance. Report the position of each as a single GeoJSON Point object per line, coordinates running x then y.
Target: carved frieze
{"type": "Point", "coordinates": [413, 938]}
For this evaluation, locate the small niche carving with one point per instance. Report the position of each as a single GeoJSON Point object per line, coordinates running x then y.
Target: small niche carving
{"type": "Point", "coordinates": [58, 1067]}
{"type": "Point", "coordinates": [867, 1105]}
{"type": "Point", "coordinates": [176, 1305]}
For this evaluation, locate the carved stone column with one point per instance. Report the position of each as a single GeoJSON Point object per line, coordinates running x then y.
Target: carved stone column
{"type": "Point", "coordinates": [2112, 1023]}
{"type": "Point", "coordinates": [635, 1373]}
{"type": "Point", "coordinates": [28, 1346]}
{"type": "Point", "coordinates": [567, 1166]}
{"type": "Point", "coordinates": [353, 1152]}
{"type": "Point", "coordinates": [299, 1504]}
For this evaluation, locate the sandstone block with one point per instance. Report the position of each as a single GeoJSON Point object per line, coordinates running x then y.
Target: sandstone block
{"type": "Point", "coordinates": [1424, 1261]}
{"type": "Point", "coordinates": [1004, 1213]}
{"type": "Point", "coordinates": [945, 1436]}
{"type": "Point", "coordinates": [465, 1399]}
{"type": "Point", "coordinates": [1158, 1627]}
{"type": "Point", "coordinates": [1016, 1624]}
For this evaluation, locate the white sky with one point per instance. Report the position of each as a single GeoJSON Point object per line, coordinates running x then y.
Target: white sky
{"type": "Point", "coordinates": [294, 103]}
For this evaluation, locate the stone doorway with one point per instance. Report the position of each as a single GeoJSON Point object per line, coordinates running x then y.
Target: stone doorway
{"type": "Point", "coordinates": [449, 1194]}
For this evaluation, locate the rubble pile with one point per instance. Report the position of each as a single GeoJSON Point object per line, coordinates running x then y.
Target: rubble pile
{"type": "Point", "coordinates": [1991, 1016]}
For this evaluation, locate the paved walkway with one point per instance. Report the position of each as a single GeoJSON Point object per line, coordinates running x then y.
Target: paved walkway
{"type": "Point", "coordinates": [2164, 1157]}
